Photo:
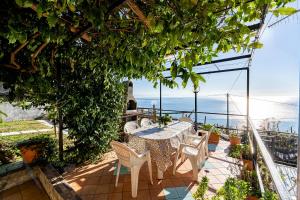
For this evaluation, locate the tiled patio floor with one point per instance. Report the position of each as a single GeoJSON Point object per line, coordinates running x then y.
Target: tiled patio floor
{"type": "Point", "coordinates": [26, 191]}
{"type": "Point", "coordinates": [96, 181]}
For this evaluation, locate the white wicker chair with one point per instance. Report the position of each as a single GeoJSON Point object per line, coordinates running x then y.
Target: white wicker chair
{"type": "Point", "coordinates": [130, 159]}
{"type": "Point", "coordinates": [130, 126]}
{"type": "Point", "coordinates": [196, 155]}
{"type": "Point", "coordinates": [145, 122]}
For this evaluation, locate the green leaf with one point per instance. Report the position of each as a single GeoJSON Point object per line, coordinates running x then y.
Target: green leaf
{"type": "Point", "coordinates": [285, 11]}
{"type": "Point", "coordinates": [256, 45]}
{"type": "Point", "coordinates": [52, 19]}
{"type": "Point", "coordinates": [173, 70]}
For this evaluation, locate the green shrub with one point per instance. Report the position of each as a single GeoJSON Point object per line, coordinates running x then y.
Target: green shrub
{"type": "Point", "coordinates": [201, 190]}
{"type": "Point", "coordinates": [269, 195]}
{"type": "Point", "coordinates": [234, 189]}
{"type": "Point", "coordinates": [235, 151]}
{"type": "Point", "coordinates": [7, 154]}
{"type": "Point", "coordinates": [206, 127]}
{"type": "Point", "coordinates": [246, 152]}
{"type": "Point", "coordinates": [165, 119]}
{"type": "Point", "coordinates": [251, 178]}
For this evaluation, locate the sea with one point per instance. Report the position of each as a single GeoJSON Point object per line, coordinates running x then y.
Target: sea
{"type": "Point", "coordinates": [279, 113]}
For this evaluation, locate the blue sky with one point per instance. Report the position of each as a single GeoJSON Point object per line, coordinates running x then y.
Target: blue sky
{"type": "Point", "coordinates": [274, 69]}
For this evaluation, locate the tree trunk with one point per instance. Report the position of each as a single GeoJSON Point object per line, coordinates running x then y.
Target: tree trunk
{"type": "Point", "coordinates": [60, 136]}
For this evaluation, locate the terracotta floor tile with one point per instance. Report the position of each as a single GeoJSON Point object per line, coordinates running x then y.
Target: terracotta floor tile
{"type": "Point", "coordinates": [88, 190]}
{"type": "Point", "coordinates": [11, 191]}
{"type": "Point", "coordinates": [167, 183]}
{"type": "Point", "coordinates": [142, 185]}
{"type": "Point", "coordinates": [14, 196]}
{"type": "Point", "coordinates": [115, 196]}
{"type": "Point", "coordinates": [156, 194]}
{"type": "Point", "coordinates": [104, 189]}
{"type": "Point", "coordinates": [95, 180]}
{"type": "Point", "coordinates": [157, 184]}
{"type": "Point", "coordinates": [127, 196]}
{"type": "Point", "coordinates": [87, 197]}
{"type": "Point", "coordinates": [119, 188]}
{"type": "Point", "coordinates": [143, 195]}
{"type": "Point", "coordinates": [100, 197]}
{"type": "Point", "coordinates": [126, 187]}
{"type": "Point", "coordinates": [107, 179]}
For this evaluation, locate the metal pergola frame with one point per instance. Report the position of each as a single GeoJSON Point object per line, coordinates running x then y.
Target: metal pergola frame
{"type": "Point", "coordinates": [214, 72]}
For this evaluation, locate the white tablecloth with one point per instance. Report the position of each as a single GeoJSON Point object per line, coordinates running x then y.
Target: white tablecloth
{"type": "Point", "coordinates": [160, 141]}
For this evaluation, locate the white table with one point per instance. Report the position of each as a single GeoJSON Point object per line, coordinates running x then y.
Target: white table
{"type": "Point", "coordinates": [160, 141]}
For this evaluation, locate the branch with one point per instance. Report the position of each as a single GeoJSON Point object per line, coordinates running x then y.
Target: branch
{"type": "Point", "coordinates": [14, 53]}
{"type": "Point", "coordinates": [138, 12]}
{"type": "Point", "coordinates": [35, 54]}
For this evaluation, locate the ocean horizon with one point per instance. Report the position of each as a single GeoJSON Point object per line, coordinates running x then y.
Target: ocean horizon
{"type": "Point", "coordinates": [283, 109]}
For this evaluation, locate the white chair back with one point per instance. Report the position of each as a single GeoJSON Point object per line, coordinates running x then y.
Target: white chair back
{"type": "Point", "coordinates": [124, 153]}
{"type": "Point", "coordinates": [130, 126]}
{"type": "Point", "coordinates": [145, 122]}
{"type": "Point", "coordinates": [185, 119]}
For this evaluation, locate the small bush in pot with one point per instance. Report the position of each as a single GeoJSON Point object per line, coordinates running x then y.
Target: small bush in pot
{"type": "Point", "coordinates": [201, 190]}
{"type": "Point", "coordinates": [37, 149]}
{"type": "Point", "coordinates": [214, 137]}
{"type": "Point", "coordinates": [233, 189]}
{"type": "Point", "coordinates": [165, 119]}
{"type": "Point", "coordinates": [269, 195]}
{"type": "Point", "coordinates": [235, 151]}
{"type": "Point", "coordinates": [234, 138]}
{"type": "Point", "coordinates": [247, 157]}
{"type": "Point", "coordinates": [251, 178]}
{"type": "Point", "coordinates": [206, 127]}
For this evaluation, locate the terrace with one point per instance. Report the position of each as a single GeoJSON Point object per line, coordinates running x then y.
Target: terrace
{"type": "Point", "coordinates": [70, 58]}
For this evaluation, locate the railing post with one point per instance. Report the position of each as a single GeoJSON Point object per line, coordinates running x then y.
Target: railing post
{"type": "Point", "coordinates": [160, 99]}
{"type": "Point", "coordinates": [196, 119]}
{"type": "Point", "coordinates": [227, 121]}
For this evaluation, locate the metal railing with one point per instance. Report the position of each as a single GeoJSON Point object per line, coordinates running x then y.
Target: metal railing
{"type": "Point", "coordinates": [259, 149]}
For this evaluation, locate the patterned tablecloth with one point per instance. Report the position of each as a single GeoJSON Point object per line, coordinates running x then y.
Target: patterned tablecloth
{"type": "Point", "coordinates": [160, 141]}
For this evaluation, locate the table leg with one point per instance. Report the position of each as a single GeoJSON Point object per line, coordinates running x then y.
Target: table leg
{"type": "Point", "coordinates": [160, 174]}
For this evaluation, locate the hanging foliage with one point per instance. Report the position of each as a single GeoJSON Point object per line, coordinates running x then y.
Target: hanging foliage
{"type": "Point", "coordinates": [71, 55]}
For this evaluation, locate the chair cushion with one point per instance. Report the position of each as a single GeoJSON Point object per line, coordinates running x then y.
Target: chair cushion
{"type": "Point", "coordinates": [190, 151]}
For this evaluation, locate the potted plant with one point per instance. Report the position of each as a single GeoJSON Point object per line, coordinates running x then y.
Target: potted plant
{"type": "Point", "coordinates": [165, 120]}
{"type": "Point", "coordinates": [201, 189]}
{"type": "Point", "coordinates": [234, 138]}
{"type": "Point", "coordinates": [233, 189]}
{"type": "Point", "coordinates": [251, 178]}
{"type": "Point", "coordinates": [247, 157]}
{"type": "Point", "coordinates": [38, 148]}
{"type": "Point", "coordinates": [214, 137]}
{"type": "Point", "coordinates": [235, 151]}
{"type": "Point", "coordinates": [269, 195]}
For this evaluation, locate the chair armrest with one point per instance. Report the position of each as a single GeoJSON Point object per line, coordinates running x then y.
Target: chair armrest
{"type": "Point", "coordinates": [182, 145]}
{"type": "Point", "coordinates": [194, 136]}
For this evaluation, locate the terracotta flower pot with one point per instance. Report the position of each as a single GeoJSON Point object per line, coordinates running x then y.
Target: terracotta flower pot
{"type": "Point", "coordinates": [248, 164]}
{"type": "Point", "coordinates": [252, 198]}
{"type": "Point", "coordinates": [234, 140]}
{"type": "Point", "coordinates": [214, 138]}
{"type": "Point", "coordinates": [29, 154]}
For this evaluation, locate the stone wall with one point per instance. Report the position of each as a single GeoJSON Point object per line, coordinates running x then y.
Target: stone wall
{"type": "Point", "coordinates": [51, 180]}
{"type": "Point", "coordinates": [17, 113]}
